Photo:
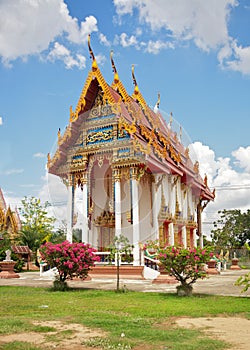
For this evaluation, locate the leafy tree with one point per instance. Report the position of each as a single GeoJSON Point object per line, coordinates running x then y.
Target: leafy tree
{"type": "Point", "coordinates": [37, 226]}
{"type": "Point", "coordinates": [70, 259]}
{"type": "Point", "coordinates": [185, 264]}
{"type": "Point", "coordinates": [232, 229]}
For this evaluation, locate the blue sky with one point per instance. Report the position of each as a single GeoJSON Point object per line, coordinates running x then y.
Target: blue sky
{"type": "Point", "coordinates": [195, 53]}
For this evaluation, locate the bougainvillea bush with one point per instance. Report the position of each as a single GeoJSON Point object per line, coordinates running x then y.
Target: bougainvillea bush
{"type": "Point", "coordinates": [185, 264]}
{"type": "Point", "coordinates": [70, 259]}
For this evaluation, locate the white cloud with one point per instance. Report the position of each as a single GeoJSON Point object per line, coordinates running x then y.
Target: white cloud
{"type": "Point", "coordinates": [232, 186]}
{"type": "Point", "coordinates": [203, 22]}
{"type": "Point", "coordinates": [12, 171]}
{"type": "Point", "coordinates": [126, 41]}
{"type": "Point", "coordinates": [155, 46]}
{"type": "Point", "coordinates": [39, 155]}
{"type": "Point", "coordinates": [103, 39]}
{"type": "Point", "coordinates": [1, 121]}
{"type": "Point", "coordinates": [29, 27]}
{"type": "Point", "coordinates": [239, 60]}
{"type": "Point", "coordinates": [100, 59]}
{"type": "Point", "coordinates": [60, 52]}
{"type": "Point", "coordinates": [242, 156]}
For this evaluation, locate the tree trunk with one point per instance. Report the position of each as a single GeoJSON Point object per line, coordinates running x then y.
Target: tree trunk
{"type": "Point", "coordinates": [184, 290]}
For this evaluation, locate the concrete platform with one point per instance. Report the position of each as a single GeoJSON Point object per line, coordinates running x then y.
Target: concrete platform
{"type": "Point", "coordinates": [222, 284]}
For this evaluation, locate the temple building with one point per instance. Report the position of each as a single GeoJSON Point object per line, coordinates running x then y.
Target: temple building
{"type": "Point", "coordinates": [134, 175]}
{"type": "Point", "coordinates": [9, 219]}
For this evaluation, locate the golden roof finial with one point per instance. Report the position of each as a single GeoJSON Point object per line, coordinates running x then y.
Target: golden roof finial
{"type": "Point", "coordinates": [187, 152]}
{"type": "Point", "coordinates": [90, 50]}
{"type": "Point", "coordinates": [136, 90]}
{"type": "Point", "coordinates": [94, 64]}
{"type": "Point", "coordinates": [58, 135]}
{"type": "Point", "coordinates": [158, 100]}
{"type": "Point", "coordinates": [205, 180]}
{"type": "Point", "coordinates": [171, 120]}
{"type": "Point", "coordinates": [112, 61]}
{"type": "Point", "coordinates": [156, 107]}
{"type": "Point", "coordinates": [116, 77]}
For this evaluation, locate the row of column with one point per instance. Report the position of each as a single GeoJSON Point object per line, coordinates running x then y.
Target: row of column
{"type": "Point", "coordinates": [171, 234]}
{"type": "Point", "coordinates": [135, 211]}
{"type": "Point", "coordinates": [118, 209]}
{"type": "Point", "coordinates": [70, 207]}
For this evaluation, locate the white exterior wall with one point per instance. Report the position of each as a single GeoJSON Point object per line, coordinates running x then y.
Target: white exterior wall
{"type": "Point", "coordinates": [145, 211]}
{"type": "Point", "coordinates": [127, 227]}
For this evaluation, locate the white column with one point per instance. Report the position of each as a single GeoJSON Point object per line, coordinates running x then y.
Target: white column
{"type": "Point", "coordinates": [194, 237]}
{"type": "Point", "coordinates": [184, 236]}
{"type": "Point", "coordinates": [171, 233]}
{"type": "Point", "coordinates": [199, 221]}
{"type": "Point", "coordinates": [70, 209]}
{"type": "Point", "coordinates": [118, 211]}
{"type": "Point", "coordinates": [85, 227]}
{"type": "Point", "coordinates": [155, 223]}
{"type": "Point", "coordinates": [136, 222]}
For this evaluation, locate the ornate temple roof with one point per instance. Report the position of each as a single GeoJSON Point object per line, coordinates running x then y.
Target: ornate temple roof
{"type": "Point", "coordinates": [9, 219]}
{"type": "Point", "coordinates": [147, 131]}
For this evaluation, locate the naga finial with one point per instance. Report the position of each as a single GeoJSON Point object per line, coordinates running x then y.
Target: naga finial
{"type": "Point", "coordinates": [158, 100]}
{"type": "Point", "coordinates": [90, 50]}
{"type": "Point", "coordinates": [136, 90]}
{"type": "Point", "coordinates": [94, 64]}
{"type": "Point", "coordinates": [180, 132]}
{"type": "Point", "coordinates": [116, 77]}
{"type": "Point", "coordinates": [205, 180]}
{"type": "Point", "coordinates": [133, 75]}
{"type": "Point", "coordinates": [171, 120]}
{"type": "Point", "coordinates": [112, 61]}
{"type": "Point", "coordinates": [156, 107]}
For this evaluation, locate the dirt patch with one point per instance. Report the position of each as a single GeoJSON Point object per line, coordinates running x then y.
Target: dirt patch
{"type": "Point", "coordinates": [234, 330]}
{"type": "Point", "coordinates": [67, 336]}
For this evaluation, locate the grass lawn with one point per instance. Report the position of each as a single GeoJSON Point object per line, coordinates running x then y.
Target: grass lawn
{"type": "Point", "coordinates": [145, 319]}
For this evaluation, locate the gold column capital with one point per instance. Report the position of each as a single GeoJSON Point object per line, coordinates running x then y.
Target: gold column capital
{"type": "Point", "coordinates": [134, 173]}
{"type": "Point", "coordinates": [84, 177]}
{"type": "Point", "coordinates": [70, 180]}
{"type": "Point", "coordinates": [117, 175]}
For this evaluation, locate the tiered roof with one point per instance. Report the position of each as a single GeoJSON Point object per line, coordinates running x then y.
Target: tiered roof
{"type": "Point", "coordinates": [148, 131]}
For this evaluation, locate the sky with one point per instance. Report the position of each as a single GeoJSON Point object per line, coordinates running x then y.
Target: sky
{"type": "Point", "coordinates": [196, 53]}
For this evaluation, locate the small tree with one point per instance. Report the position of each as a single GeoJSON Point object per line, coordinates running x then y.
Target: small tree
{"type": "Point", "coordinates": [119, 246]}
{"type": "Point", "coordinates": [70, 259]}
{"type": "Point", "coordinates": [186, 265]}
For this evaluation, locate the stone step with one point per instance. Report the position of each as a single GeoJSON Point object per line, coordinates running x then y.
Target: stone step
{"type": "Point", "coordinates": [107, 271]}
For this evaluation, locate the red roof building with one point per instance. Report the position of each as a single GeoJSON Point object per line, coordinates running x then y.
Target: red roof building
{"type": "Point", "coordinates": [135, 176]}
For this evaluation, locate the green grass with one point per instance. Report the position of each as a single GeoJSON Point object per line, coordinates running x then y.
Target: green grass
{"type": "Point", "coordinates": [144, 318]}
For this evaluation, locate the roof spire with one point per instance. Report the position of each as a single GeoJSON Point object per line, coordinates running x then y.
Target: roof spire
{"type": "Point", "coordinates": [116, 77]}
{"type": "Point", "coordinates": [136, 90]}
{"type": "Point", "coordinates": [112, 61]}
{"type": "Point", "coordinates": [94, 64]}
{"type": "Point", "coordinates": [171, 120]}
{"type": "Point", "coordinates": [156, 107]}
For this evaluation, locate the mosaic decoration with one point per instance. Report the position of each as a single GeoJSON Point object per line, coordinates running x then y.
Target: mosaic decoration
{"type": "Point", "coordinates": [99, 135]}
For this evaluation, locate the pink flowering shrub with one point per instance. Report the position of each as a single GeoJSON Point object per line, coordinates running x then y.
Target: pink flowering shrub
{"type": "Point", "coordinates": [70, 259]}
{"type": "Point", "coordinates": [185, 264]}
